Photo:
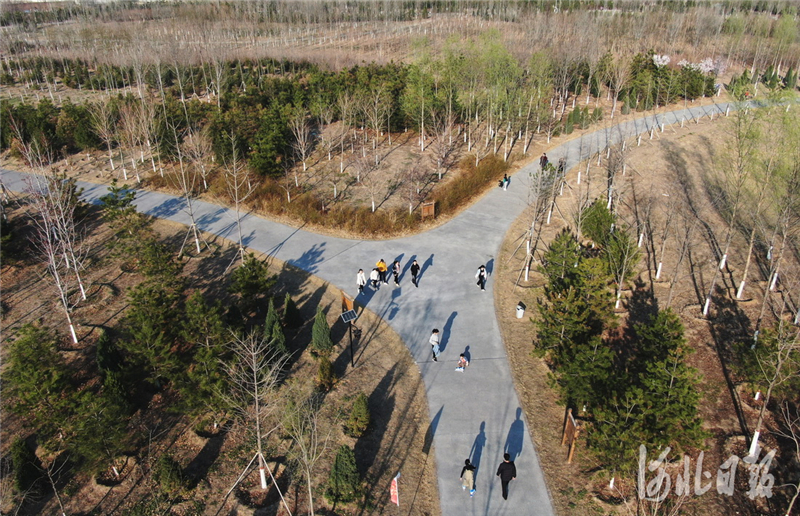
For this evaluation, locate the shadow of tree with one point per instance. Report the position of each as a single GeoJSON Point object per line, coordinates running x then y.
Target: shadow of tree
{"type": "Point", "coordinates": [728, 326]}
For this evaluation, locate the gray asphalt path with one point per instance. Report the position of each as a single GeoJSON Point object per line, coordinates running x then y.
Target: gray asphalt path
{"type": "Point", "coordinates": [473, 414]}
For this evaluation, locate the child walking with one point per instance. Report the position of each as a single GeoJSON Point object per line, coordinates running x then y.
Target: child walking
{"type": "Point", "coordinates": [468, 477]}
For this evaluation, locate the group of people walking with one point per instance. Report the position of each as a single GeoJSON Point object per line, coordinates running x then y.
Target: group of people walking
{"type": "Point", "coordinates": [378, 275]}
{"type": "Point", "coordinates": [507, 471]}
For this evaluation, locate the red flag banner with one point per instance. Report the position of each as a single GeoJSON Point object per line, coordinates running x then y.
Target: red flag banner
{"type": "Point", "coordinates": [393, 491]}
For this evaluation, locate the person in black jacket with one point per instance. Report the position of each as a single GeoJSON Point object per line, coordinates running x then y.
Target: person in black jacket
{"type": "Point", "coordinates": [414, 272]}
{"type": "Point", "coordinates": [507, 472]}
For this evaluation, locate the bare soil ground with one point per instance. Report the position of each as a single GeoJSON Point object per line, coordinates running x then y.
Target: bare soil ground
{"type": "Point", "coordinates": [384, 371]}
{"type": "Point", "coordinates": [668, 174]}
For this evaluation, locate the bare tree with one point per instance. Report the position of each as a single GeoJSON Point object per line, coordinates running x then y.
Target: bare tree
{"type": "Point", "coordinates": [619, 74]}
{"type": "Point", "coordinates": [737, 172]}
{"type": "Point", "coordinates": [310, 438]}
{"type": "Point", "coordinates": [300, 126]}
{"type": "Point", "coordinates": [186, 180]}
{"type": "Point", "coordinates": [442, 125]}
{"type": "Point", "coordinates": [197, 149]}
{"type": "Point", "coordinates": [240, 186]}
{"type": "Point", "coordinates": [778, 364]}
{"type": "Point", "coordinates": [104, 123]}
{"type": "Point", "coordinates": [46, 240]}
{"type": "Point", "coordinates": [791, 424]}
{"type": "Point", "coordinates": [255, 373]}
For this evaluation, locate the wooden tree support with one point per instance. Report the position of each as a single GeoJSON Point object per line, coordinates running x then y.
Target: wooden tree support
{"type": "Point", "coordinates": [570, 434]}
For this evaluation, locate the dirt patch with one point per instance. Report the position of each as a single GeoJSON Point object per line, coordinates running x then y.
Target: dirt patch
{"type": "Point", "coordinates": [212, 458]}
{"type": "Point", "coordinates": [676, 164]}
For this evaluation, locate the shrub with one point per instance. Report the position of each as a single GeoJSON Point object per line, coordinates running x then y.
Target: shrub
{"type": "Point", "coordinates": [321, 342]}
{"type": "Point", "coordinates": [344, 482]}
{"type": "Point", "coordinates": [168, 474]}
{"type": "Point", "coordinates": [25, 462]}
{"type": "Point", "coordinates": [359, 417]}
{"type": "Point", "coordinates": [472, 179]}
{"type": "Point", "coordinates": [326, 377]}
{"type": "Point", "coordinates": [292, 317]}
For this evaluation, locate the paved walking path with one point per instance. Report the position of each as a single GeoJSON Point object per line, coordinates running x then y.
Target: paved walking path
{"type": "Point", "coordinates": [473, 414]}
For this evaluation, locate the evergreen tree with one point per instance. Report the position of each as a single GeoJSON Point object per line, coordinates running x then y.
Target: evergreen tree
{"type": "Point", "coordinates": [597, 221]}
{"type": "Point", "coordinates": [321, 342]}
{"type": "Point", "coordinates": [359, 418]}
{"type": "Point", "coordinates": [152, 331]}
{"type": "Point", "coordinates": [292, 317]}
{"type": "Point", "coordinates": [278, 339]}
{"type": "Point", "coordinates": [560, 262]}
{"type": "Point", "coordinates": [589, 376]}
{"type": "Point", "coordinates": [107, 355]}
{"type": "Point", "coordinates": [326, 376]}
{"type": "Point", "coordinates": [271, 142]}
{"type": "Point", "coordinates": [271, 319]}
{"type": "Point", "coordinates": [344, 482]}
{"type": "Point", "coordinates": [206, 379]}
{"type": "Point", "coordinates": [26, 466]}
{"type": "Point", "coordinates": [37, 379]}
{"type": "Point", "coordinates": [251, 281]}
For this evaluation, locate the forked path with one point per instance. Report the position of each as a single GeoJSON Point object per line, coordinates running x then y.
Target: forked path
{"type": "Point", "coordinates": [473, 414]}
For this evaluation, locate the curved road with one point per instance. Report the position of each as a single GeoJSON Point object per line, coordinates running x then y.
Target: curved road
{"type": "Point", "coordinates": [473, 414]}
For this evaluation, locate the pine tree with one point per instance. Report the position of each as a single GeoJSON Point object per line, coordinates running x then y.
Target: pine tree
{"type": "Point", "coordinates": [26, 466]}
{"type": "Point", "coordinates": [206, 379]}
{"type": "Point", "coordinates": [597, 221]}
{"type": "Point", "coordinates": [279, 339]}
{"type": "Point", "coordinates": [560, 262]}
{"type": "Point", "coordinates": [344, 482]}
{"type": "Point", "coordinates": [251, 281]}
{"type": "Point", "coordinates": [359, 418]}
{"type": "Point", "coordinates": [321, 342]}
{"type": "Point", "coordinates": [326, 376]}
{"type": "Point", "coordinates": [37, 379]}
{"type": "Point", "coordinates": [271, 319]}
{"type": "Point", "coordinates": [152, 331]}
{"type": "Point", "coordinates": [292, 317]}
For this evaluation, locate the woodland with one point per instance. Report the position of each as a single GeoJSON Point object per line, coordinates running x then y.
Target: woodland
{"type": "Point", "coordinates": [348, 116]}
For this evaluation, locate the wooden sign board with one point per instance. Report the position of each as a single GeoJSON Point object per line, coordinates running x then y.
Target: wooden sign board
{"type": "Point", "coordinates": [347, 302]}
{"type": "Point", "coordinates": [428, 210]}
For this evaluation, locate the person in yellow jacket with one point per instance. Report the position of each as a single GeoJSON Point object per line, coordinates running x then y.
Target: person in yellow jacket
{"type": "Point", "coordinates": [382, 268]}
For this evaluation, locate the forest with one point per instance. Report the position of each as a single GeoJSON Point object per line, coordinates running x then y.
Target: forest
{"type": "Point", "coordinates": [349, 116]}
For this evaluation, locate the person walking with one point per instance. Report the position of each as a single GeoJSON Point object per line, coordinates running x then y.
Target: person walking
{"type": "Point", "coordinates": [396, 273]}
{"type": "Point", "coordinates": [462, 363]}
{"type": "Point", "coordinates": [361, 280]}
{"type": "Point", "coordinates": [543, 161]}
{"type": "Point", "coordinates": [434, 342]}
{"type": "Point", "coordinates": [381, 266]}
{"type": "Point", "coordinates": [414, 272]}
{"type": "Point", "coordinates": [374, 277]}
{"type": "Point", "coordinates": [468, 478]}
{"type": "Point", "coordinates": [506, 180]}
{"type": "Point", "coordinates": [507, 472]}
{"type": "Point", "coordinates": [481, 277]}
{"type": "Point", "coordinates": [562, 166]}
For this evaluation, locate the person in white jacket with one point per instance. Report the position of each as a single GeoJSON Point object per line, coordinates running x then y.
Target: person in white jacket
{"type": "Point", "coordinates": [361, 280]}
{"type": "Point", "coordinates": [481, 277]}
{"type": "Point", "coordinates": [374, 278]}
